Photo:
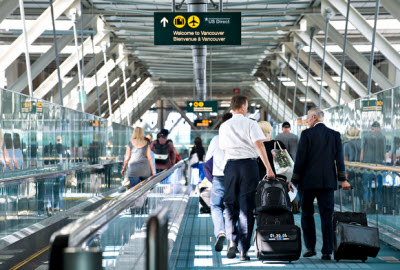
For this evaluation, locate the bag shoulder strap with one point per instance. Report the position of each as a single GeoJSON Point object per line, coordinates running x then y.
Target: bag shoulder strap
{"type": "Point", "coordinates": [277, 142]}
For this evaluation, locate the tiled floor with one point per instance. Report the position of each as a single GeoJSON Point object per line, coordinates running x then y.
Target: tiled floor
{"type": "Point", "coordinates": [194, 249]}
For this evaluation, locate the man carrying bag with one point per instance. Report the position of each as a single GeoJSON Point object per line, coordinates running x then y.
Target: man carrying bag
{"type": "Point", "coordinates": [319, 166]}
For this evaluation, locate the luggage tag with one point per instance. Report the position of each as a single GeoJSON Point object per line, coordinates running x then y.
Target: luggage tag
{"type": "Point", "coordinates": [292, 195]}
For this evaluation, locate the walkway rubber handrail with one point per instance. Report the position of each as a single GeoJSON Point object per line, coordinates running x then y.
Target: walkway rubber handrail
{"type": "Point", "coordinates": [47, 174]}
{"type": "Point", "coordinates": [375, 167]}
{"type": "Point", "coordinates": [76, 233]}
{"type": "Point", "coordinates": [157, 241]}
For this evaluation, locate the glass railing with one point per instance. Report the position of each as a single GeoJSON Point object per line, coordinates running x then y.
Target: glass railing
{"type": "Point", "coordinates": [25, 202]}
{"type": "Point", "coordinates": [117, 229]}
{"type": "Point", "coordinates": [370, 129]}
{"type": "Point", "coordinates": [37, 136]}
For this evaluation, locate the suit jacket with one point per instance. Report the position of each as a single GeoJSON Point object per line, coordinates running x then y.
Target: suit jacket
{"type": "Point", "coordinates": [319, 160]}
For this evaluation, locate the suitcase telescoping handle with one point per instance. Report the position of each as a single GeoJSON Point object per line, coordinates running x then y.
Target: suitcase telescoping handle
{"type": "Point", "coordinates": [352, 198]}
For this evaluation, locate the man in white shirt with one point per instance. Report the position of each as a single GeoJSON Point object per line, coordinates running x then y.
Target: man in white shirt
{"type": "Point", "coordinates": [242, 140]}
{"type": "Point", "coordinates": [217, 189]}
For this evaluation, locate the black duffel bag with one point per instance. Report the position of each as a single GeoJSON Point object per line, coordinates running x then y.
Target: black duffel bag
{"type": "Point", "coordinates": [353, 239]}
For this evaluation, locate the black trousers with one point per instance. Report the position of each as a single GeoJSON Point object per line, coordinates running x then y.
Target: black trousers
{"type": "Point", "coordinates": [325, 201]}
{"type": "Point", "coordinates": [240, 182]}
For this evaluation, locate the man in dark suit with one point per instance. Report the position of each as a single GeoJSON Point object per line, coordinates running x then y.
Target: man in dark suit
{"type": "Point", "coordinates": [319, 165]}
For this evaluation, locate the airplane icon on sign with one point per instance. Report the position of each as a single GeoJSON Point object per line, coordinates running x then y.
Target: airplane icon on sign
{"type": "Point", "coordinates": [194, 21]}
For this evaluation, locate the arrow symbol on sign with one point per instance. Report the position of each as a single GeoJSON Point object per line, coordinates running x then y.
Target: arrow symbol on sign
{"type": "Point", "coordinates": [164, 21]}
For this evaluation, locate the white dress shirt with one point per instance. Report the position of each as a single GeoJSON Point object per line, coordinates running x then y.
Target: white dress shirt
{"type": "Point", "coordinates": [238, 136]}
{"type": "Point", "coordinates": [219, 160]}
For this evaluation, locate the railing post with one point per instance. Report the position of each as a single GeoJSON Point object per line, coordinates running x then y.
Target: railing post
{"type": "Point", "coordinates": [157, 241]}
{"type": "Point", "coordinates": [78, 258]}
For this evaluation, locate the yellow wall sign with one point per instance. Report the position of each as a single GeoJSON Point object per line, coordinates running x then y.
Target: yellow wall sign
{"type": "Point", "coordinates": [179, 21]}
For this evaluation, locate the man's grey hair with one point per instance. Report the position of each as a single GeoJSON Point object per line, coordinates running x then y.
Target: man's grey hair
{"type": "Point", "coordinates": [318, 112]}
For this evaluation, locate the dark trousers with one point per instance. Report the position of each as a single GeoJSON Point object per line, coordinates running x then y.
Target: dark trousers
{"type": "Point", "coordinates": [326, 206]}
{"type": "Point", "coordinates": [240, 182]}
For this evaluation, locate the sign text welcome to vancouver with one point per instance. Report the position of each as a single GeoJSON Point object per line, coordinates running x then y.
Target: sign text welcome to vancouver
{"type": "Point", "coordinates": [206, 28]}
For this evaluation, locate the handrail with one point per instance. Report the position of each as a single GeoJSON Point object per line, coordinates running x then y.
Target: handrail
{"type": "Point", "coordinates": [375, 167]}
{"type": "Point", "coordinates": [75, 234]}
{"type": "Point", "coordinates": [157, 241]}
{"type": "Point", "coordinates": [47, 174]}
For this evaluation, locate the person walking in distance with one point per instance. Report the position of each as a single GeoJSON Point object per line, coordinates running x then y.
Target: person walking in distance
{"type": "Point", "coordinates": [319, 165]}
{"type": "Point", "coordinates": [242, 140]}
{"type": "Point", "coordinates": [163, 151]}
{"type": "Point", "coordinates": [290, 140]}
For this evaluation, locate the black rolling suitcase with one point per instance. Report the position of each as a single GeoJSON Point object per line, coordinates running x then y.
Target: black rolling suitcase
{"type": "Point", "coordinates": [353, 239]}
{"type": "Point", "coordinates": [278, 242]}
{"type": "Point", "coordinates": [276, 236]}
{"type": "Point", "coordinates": [204, 200]}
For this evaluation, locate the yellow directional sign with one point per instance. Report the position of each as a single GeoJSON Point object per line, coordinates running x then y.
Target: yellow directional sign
{"type": "Point", "coordinates": [203, 123]}
{"type": "Point", "coordinates": [202, 106]}
{"type": "Point", "coordinates": [179, 21]}
{"type": "Point", "coordinates": [193, 21]}
{"type": "Point", "coordinates": [372, 105]}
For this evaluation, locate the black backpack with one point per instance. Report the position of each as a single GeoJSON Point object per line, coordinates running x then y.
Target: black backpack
{"type": "Point", "coordinates": [161, 152]}
{"type": "Point", "coordinates": [272, 196]}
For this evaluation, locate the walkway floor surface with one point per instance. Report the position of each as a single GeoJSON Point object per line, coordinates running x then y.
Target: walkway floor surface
{"type": "Point", "coordinates": [194, 249]}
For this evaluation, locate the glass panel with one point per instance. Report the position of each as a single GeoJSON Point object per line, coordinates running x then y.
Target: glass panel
{"type": "Point", "coordinates": [370, 129]}
{"type": "Point", "coordinates": [37, 136]}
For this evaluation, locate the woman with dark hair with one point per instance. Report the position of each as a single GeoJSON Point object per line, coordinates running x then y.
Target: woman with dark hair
{"type": "Point", "coordinates": [198, 149]}
{"type": "Point", "coordinates": [196, 159]}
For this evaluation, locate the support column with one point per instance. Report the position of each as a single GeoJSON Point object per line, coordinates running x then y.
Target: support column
{"type": "Point", "coordinates": [183, 114]}
{"type": "Point", "coordinates": [107, 83]}
{"type": "Point", "coordinates": [160, 114]}
{"type": "Point", "coordinates": [123, 68]}
{"type": "Point", "coordinates": [74, 17]}
{"type": "Point", "coordinates": [199, 53]}
{"type": "Point", "coordinates": [27, 58]}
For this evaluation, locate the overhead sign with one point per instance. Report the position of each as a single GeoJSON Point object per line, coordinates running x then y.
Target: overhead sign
{"type": "Point", "coordinates": [202, 106]}
{"type": "Point", "coordinates": [32, 107]}
{"type": "Point", "coordinates": [203, 123]}
{"type": "Point", "coordinates": [200, 28]}
{"type": "Point", "coordinates": [372, 105]}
